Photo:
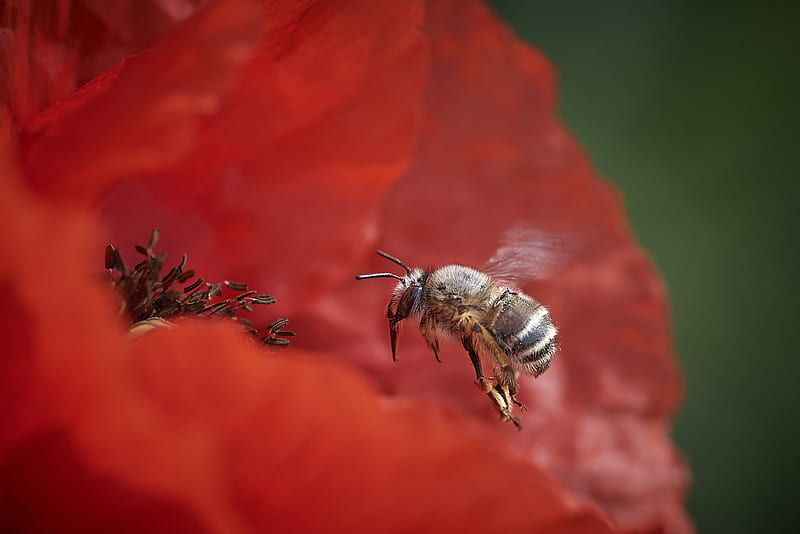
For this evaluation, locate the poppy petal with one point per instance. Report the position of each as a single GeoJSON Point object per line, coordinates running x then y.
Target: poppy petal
{"type": "Point", "coordinates": [492, 155]}
{"type": "Point", "coordinates": [141, 116]}
{"type": "Point", "coordinates": [51, 48]}
{"type": "Point", "coordinates": [192, 430]}
{"type": "Point", "coordinates": [320, 122]}
{"type": "Point", "coordinates": [275, 171]}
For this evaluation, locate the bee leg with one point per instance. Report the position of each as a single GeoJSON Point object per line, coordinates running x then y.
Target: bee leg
{"type": "Point", "coordinates": [394, 326]}
{"type": "Point", "coordinates": [509, 385]}
{"type": "Point", "coordinates": [483, 382]}
{"type": "Point", "coordinates": [429, 335]}
{"type": "Point", "coordinates": [500, 400]}
{"type": "Point", "coordinates": [510, 397]}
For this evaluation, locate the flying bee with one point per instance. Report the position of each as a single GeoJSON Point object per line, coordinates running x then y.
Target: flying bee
{"type": "Point", "coordinates": [504, 326]}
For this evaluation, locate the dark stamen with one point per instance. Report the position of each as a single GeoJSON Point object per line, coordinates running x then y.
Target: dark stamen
{"type": "Point", "coordinates": [146, 295]}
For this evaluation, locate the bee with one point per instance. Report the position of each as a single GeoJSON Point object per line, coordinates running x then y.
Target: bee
{"type": "Point", "coordinates": [494, 322]}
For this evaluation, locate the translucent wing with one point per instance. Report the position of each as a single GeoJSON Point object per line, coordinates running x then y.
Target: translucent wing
{"type": "Point", "coordinates": [527, 253]}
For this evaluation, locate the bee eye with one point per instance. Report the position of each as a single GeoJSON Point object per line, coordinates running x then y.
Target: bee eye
{"type": "Point", "coordinates": [407, 301]}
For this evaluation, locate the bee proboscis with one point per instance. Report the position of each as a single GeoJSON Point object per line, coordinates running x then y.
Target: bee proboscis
{"type": "Point", "coordinates": [495, 322]}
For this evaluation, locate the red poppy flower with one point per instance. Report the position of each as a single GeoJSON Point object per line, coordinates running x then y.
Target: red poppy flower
{"type": "Point", "coordinates": [280, 145]}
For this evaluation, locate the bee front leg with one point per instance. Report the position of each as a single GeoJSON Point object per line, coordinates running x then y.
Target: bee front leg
{"type": "Point", "coordinates": [428, 332]}
{"type": "Point", "coordinates": [394, 326]}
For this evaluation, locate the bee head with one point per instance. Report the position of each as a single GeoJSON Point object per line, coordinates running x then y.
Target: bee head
{"type": "Point", "coordinates": [405, 297]}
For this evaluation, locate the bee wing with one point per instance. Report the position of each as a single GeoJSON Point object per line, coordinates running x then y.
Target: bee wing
{"type": "Point", "coordinates": [527, 253]}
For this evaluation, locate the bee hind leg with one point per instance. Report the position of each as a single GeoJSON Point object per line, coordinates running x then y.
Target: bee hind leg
{"type": "Point", "coordinates": [501, 399]}
{"type": "Point", "coordinates": [509, 385]}
{"type": "Point", "coordinates": [483, 382]}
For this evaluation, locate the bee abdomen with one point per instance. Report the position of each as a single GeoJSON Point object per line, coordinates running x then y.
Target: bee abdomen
{"type": "Point", "coordinates": [536, 343]}
{"type": "Point", "coordinates": [536, 359]}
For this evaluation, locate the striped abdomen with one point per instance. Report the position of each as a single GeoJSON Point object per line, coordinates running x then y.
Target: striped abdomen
{"type": "Point", "coordinates": [526, 333]}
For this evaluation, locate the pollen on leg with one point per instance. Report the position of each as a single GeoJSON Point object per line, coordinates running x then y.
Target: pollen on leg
{"type": "Point", "coordinates": [484, 385]}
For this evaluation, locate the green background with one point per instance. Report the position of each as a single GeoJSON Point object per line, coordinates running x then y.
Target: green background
{"type": "Point", "coordinates": [690, 108]}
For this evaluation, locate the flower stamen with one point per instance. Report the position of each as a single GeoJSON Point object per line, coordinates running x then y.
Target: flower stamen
{"type": "Point", "coordinates": [152, 302]}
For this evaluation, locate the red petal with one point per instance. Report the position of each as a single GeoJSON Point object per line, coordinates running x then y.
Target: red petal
{"type": "Point", "coordinates": [286, 178]}
{"type": "Point", "coordinates": [191, 430]}
{"type": "Point", "coordinates": [52, 47]}
{"type": "Point", "coordinates": [110, 31]}
{"type": "Point", "coordinates": [491, 155]}
{"type": "Point", "coordinates": [321, 122]}
{"type": "Point", "coordinates": [38, 66]}
{"type": "Point", "coordinates": [142, 118]}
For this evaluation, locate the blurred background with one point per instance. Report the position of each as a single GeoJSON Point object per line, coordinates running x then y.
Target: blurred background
{"type": "Point", "coordinates": [688, 108]}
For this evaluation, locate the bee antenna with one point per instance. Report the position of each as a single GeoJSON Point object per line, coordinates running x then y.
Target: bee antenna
{"type": "Point", "coordinates": [392, 258]}
{"type": "Point", "coordinates": [378, 275]}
